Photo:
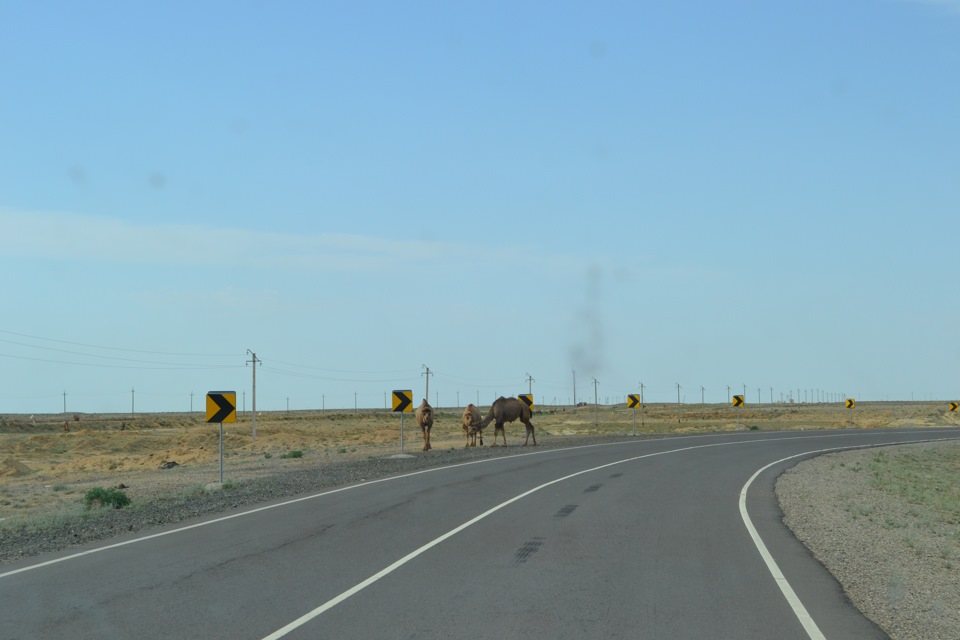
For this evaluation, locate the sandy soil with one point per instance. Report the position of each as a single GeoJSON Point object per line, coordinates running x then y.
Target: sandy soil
{"type": "Point", "coordinates": [47, 462]}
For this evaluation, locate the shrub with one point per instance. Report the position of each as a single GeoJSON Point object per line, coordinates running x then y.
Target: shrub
{"type": "Point", "coordinates": [103, 497]}
{"type": "Point", "coordinates": [296, 453]}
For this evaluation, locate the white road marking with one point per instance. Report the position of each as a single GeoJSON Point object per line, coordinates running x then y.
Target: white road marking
{"type": "Point", "coordinates": [813, 631]}
{"type": "Point", "coordinates": [781, 581]}
{"type": "Point", "coordinates": [329, 604]}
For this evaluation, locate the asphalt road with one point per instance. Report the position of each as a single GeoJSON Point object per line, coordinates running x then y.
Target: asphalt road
{"type": "Point", "coordinates": [644, 539]}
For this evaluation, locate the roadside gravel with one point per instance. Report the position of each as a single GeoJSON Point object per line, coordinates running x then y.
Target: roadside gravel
{"type": "Point", "coordinates": [898, 564]}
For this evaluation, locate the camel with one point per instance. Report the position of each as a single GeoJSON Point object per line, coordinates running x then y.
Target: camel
{"type": "Point", "coordinates": [424, 416]}
{"type": "Point", "coordinates": [508, 410]}
{"type": "Point", "coordinates": [471, 425]}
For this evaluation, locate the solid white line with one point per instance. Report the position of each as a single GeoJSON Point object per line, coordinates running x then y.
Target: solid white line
{"type": "Point", "coordinates": [813, 631]}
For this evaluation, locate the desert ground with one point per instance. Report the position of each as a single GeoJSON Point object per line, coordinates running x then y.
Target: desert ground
{"type": "Point", "coordinates": [48, 462]}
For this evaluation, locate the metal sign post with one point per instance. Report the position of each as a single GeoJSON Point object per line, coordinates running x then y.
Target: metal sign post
{"type": "Point", "coordinates": [221, 407]}
{"type": "Point", "coordinates": [402, 403]}
{"type": "Point", "coordinates": [738, 401]}
{"type": "Point", "coordinates": [632, 401]}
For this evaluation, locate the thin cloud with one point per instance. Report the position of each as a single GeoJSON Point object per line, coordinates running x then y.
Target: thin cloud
{"type": "Point", "coordinates": [86, 238]}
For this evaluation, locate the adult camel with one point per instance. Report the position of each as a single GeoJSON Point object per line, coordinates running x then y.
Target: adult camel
{"type": "Point", "coordinates": [424, 416]}
{"type": "Point", "coordinates": [507, 410]}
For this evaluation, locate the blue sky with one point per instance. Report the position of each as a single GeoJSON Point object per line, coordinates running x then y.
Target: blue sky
{"type": "Point", "coordinates": [699, 193]}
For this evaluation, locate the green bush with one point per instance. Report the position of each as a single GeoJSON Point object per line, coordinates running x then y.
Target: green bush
{"type": "Point", "coordinates": [103, 497]}
{"type": "Point", "coordinates": [296, 453]}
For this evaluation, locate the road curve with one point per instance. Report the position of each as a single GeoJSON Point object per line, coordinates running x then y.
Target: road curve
{"type": "Point", "coordinates": [669, 538]}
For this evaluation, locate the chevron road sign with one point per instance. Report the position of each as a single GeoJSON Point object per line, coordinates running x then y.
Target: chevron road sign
{"type": "Point", "coordinates": [851, 403]}
{"type": "Point", "coordinates": [738, 401]}
{"type": "Point", "coordinates": [527, 399]}
{"type": "Point", "coordinates": [633, 401]}
{"type": "Point", "coordinates": [954, 406]}
{"type": "Point", "coordinates": [403, 401]}
{"type": "Point", "coordinates": [222, 406]}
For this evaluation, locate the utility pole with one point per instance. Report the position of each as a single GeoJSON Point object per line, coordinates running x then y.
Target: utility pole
{"type": "Point", "coordinates": [596, 406]}
{"type": "Point", "coordinates": [191, 402]}
{"type": "Point", "coordinates": [641, 407]}
{"type": "Point", "coordinates": [771, 395]}
{"type": "Point", "coordinates": [244, 400]}
{"type": "Point", "coordinates": [530, 382]}
{"type": "Point", "coordinates": [759, 400]}
{"type": "Point", "coordinates": [64, 402]}
{"type": "Point", "coordinates": [253, 360]}
{"type": "Point", "coordinates": [131, 403]}
{"type": "Point", "coordinates": [427, 373]}
{"type": "Point", "coordinates": [288, 404]}
{"type": "Point", "coordinates": [678, 403]}
{"type": "Point", "coordinates": [728, 394]}
{"type": "Point", "coordinates": [701, 394]}
{"type": "Point", "coordinates": [354, 401]}
{"type": "Point", "coordinates": [574, 389]}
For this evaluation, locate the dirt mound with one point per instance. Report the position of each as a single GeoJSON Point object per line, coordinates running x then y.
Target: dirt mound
{"type": "Point", "coordinates": [14, 468]}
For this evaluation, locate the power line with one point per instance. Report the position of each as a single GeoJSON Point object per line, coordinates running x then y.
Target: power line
{"type": "Point", "coordinates": [172, 366]}
{"type": "Point", "coordinates": [94, 346]}
{"type": "Point", "coordinates": [88, 355]}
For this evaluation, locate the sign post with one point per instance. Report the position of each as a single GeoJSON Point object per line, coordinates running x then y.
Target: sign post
{"type": "Point", "coordinates": [738, 402]}
{"type": "Point", "coordinates": [221, 407]}
{"type": "Point", "coordinates": [633, 401]}
{"type": "Point", "coordinates": [402, 403]}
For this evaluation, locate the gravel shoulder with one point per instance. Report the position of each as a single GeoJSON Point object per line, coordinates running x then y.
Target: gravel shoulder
{"type": "Point", "coordinates": [898, 561]}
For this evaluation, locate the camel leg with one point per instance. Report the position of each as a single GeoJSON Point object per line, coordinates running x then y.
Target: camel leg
{"type": "Point", "coordinates": [426, 440]}
{"type": "Point", "coordinates": [530, 432]}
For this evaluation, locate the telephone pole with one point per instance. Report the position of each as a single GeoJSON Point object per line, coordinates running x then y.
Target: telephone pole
{"type": "Point", "coordinates": [641, 407]}
{"type": "Point", "coordinates": [254, 360]}
{"type": "Point", "coordinates": [574, 389]}
{"type": "Point", "coordinates": [427, 373]}
{"type": "Point", "coordinates": [132, 412]}
{"type": "Point", "coordinates": [678, 403]}
{"type": "Point", "coordinates": [596, 404]}
{"type": "Point", "coordinates": [530, 382]}
{"type": "Point", "coordinates": [701, 394]}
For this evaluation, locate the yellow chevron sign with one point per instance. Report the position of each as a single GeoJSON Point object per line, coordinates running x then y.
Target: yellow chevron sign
{"type": "Point", "coordinates": [851, 403]}
{"type": "Point", "coordinates": [527, 399]}
{"type": "Point", "coordinates": [222, 406]}
{"type": "Point", "coordinates": [633, 401]}
{"type": "Point", "coordinates": [403, 401]}
{"type": "Point", "coordinates": [738, 401]}
{"type": "Point", "coordinates": [954, 406]}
